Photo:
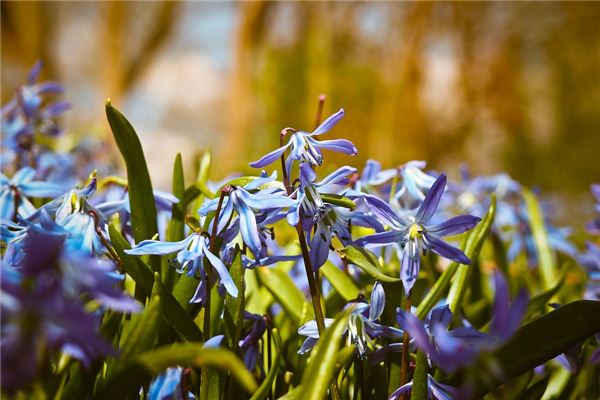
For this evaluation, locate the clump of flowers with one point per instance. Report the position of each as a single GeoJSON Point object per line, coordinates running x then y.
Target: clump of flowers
{"type": "Point", "coordinates": [301, 280]}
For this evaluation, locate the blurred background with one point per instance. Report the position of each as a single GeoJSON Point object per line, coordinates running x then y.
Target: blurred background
{"type": "Point", "coordinates": [509, 87]}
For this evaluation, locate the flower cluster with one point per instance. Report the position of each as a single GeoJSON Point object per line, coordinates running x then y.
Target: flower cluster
{"type": "Point", "coordinates": [236, 281]}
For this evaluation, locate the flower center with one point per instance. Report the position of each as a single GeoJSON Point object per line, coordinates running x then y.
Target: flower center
{"type": "Point", "coordinates": [415, 231]}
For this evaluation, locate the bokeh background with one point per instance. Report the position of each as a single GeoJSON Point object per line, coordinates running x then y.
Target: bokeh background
{"type": "Point", "coordinates": [509, 87]}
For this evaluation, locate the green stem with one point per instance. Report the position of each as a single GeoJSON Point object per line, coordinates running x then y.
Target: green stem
{"type": "Point", "coordinates": [208, 266]}
{"type": "Point", "coordinates": [405, 352]}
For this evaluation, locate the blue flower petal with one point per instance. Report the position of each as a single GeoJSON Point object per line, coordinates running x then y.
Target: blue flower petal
{"type": "Point", "coordinates": [222, 271]}
{"type": "Point", "coordinates": [455, 225]}
{"type": "Point", "coordinates": [41, 189]}
{"type": "Point", "coordinates": [377, 302]}
{"type": "Point", "coordinates": [409, 270]}
{"type": "Point", "coordinates": [329, 123]}
{"type": "Point", "coordinates": [381, 239]}
{"type": "Point", "coordinates": [339, 176]}
{"type": "Point", "coordinates": [248, 227]}
{"type": "Point", "coordinates": [269, 158]}
{"type": "Point", "coordinates": [159, 248]}
{"type": "Point", "coordinates": [337, 145]}
{"type": "Point", "coordinates": [23, 175]}
{"type": "Point", "coordinates": [445, 250]}
{"type": "Point", "coordinates": [431, 201]}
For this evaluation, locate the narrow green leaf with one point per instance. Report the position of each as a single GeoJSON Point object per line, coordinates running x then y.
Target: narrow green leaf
{"type": "Point", "coordinates": [175, 229]}
{"type": "Point", "coordinates": [142, 335]}
{"type": "Point", "coordinates": [194, 355]}
{"type": "Point", "coordinates": [365, 260]}
{"type": "Point", "coordinates": [141, 198]}
{"type": "Point", "coordinates": [538, 303]}
{"type": "Point", "coordinates": [460, 283]}
{"type": "Point", "coordinates": [546, 260]}
{"type": "Point", "coordinates": [143, 367]}
{"type": "Point", "coordinates": [538, 342]}
{"type": "Point", "coordinates": [267, 384]}
{"type": "Point", "coordinates": [471, 246]}
{"type": "Point", "coordinates": [341, 282]}
{"type": "Point", "coordinates": [320, 370]}
{"type": "Point", "coordinates": [143, 276]}
{"type": "Point", "coordinates": [535, 391]}
{"type": "Point", "coordinates": [419, 388]}
{"type": "Point", "coordinates": [283, 289]}
{"type": "Point", "coordinates": [233, 316]}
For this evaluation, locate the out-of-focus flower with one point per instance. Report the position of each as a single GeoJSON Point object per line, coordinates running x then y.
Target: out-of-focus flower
{"type": "Point", "coordinates": [14, 193]}
{"type": "Point", "coordinates": [26, 115]}
{"type": "Point", "coordinates": [593, 226]}
{"type": "Point", "coordinates": [447, 349]}
{"type": "Point", "coordinates": [167, 386]}
{"type": "Point", "coordinates": [42, 307]}
{"type": "Point", "coordinates": [304, 147]}
{"type": "Point", "coordinates": [414, 234]}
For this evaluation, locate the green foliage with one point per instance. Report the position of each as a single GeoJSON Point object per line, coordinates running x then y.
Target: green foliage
{"type": "Point", "coordinates": [367, 261]}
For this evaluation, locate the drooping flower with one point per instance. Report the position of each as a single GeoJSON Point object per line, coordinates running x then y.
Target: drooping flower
{"type": "Point", "coordinates": [413, 235]}
{"type": "Point", "coordinates": [248, 201]}
{"type": "Point", "coordinates": [14, 193]}
{"type": "Point", "coordinates": [191, 251]}
{"type": "Point", "coordinates": [305, 147]}
{"type": "Point", "coordinates": [362, 326]}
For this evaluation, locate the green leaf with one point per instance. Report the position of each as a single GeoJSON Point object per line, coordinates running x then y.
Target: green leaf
{"type": "Point", "coordinates": [267, 384]}
{"type": "Point", "coordinates": [460, 283]}
{"type": "Point", "coordinates": [142, 335]}
{"type": "Point", "coordinates": [233, 316]}
{"type": "Point", "coordinates": [175, 231]}
{"type": "Point", "coordinates": [141, 369]}
{"type": "Point", "coordinates": [143, 276]}
{"type": "Point", "coordinates": [141, 198]}
{"type": "Point", "coordinates": [194, 355]}
{"type": "Point", "coordinates": [365, 260]}
{"type": "Point", "coordinates": [546, 260]}
{"type": "Point", "coordinates": [320, 370]}
{"type": "Point", "coordinates": [471, 246]}
{"type": "Point", "coordinates": [341, 282]}
{"type": "Point", "coordinates": [283, 289]}
{"type": "Point", "coordinates": [538, 303]}
{"type": "Point", "coordinates": [419, 388]}
{"type": "Point", "coordinates": [538, 342]}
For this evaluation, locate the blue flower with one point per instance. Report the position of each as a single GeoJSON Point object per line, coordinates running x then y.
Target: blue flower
{"type": "Point", "coordinates": [42, 307]}
{"type": "Point", "coordinates": [414, 234]}
{"type": "Point", "coordinates": [191, 251]}
{"type": "Point", "coordinates": [448, 349]}
{"type": "Point", "coordinates": [373, 176]}
{"type": "Point", "coordinates": [593, 226]}
{"type": "Point", "coordinates": [304, 147]}
{"type": "Point", "coordinates": [167, 386]}
{"type": "Point", "coordinates": [28, 114]}
{"type": "Point", "coordinates": [591, 261]}
{"type": "Point", "coordinates": [362, 326]}
{"type": "Point", "coordinates": [248, 205]}
{"type": "Point", "coordinates": [14, 193]}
